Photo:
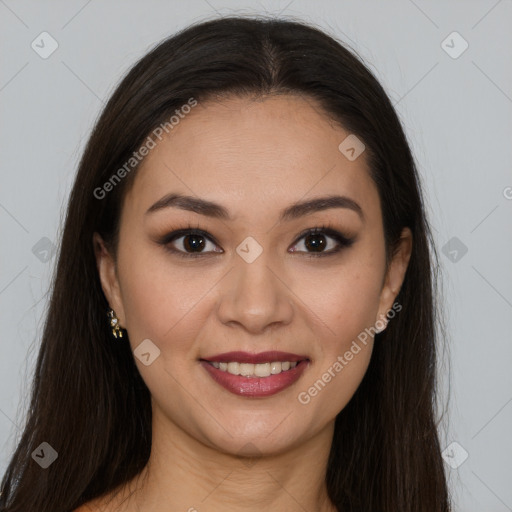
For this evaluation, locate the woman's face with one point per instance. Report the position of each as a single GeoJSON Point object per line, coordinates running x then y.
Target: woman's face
{"type": "Point", "coordinates": [252, 282]}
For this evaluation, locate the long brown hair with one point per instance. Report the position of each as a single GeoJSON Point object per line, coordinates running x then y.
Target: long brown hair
{"type": "Point", "coordinates": [88, 399]}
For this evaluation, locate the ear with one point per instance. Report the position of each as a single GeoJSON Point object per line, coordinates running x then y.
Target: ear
{"type": "Point", "coordinates": [395, 274]}
{"type": "Point", "coordinates": [108, 277]}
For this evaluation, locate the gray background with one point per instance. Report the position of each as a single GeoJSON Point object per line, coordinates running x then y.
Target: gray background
{"type": "Point", "coordinates": [457, 115]}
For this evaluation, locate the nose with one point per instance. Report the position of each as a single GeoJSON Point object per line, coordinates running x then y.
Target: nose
{"type": "Point", "coordinates": [255, 296]}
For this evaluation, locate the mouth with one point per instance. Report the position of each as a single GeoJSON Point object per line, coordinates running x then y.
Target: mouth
{"type": "Point", "coordinates": [255, 375]}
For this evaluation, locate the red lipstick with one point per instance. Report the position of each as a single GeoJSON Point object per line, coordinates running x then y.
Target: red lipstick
{"type": "Point", "coordinates": [255, 386]}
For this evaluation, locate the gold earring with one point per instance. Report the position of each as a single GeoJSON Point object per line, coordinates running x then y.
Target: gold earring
{"type": "Point", "coordinates": [114, 323]}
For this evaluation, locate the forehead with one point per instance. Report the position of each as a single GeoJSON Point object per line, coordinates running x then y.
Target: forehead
{"type": "Point", "coordinates": [252, 155]}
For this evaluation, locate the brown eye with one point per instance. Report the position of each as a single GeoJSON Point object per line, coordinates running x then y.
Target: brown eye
{"type": "Point", "coordinates": [193, 243]}
{"type": "Point", "coordinates": [318, 242]}
{"type": "Point", "coordinates": [189, 242]}
{"type": "Point", "coordinates": [315, 242]}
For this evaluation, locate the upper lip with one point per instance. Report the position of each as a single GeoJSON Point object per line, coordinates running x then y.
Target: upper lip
{"type": "Point", "coordinates": [261, 357]}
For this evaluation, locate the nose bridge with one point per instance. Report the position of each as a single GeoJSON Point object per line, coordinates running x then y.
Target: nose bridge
{"type": "Point", "coordinates": [252, 295]}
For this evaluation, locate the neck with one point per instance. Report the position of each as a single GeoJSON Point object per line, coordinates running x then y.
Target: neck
{"type": "Point", "coordinates": [187, 475]}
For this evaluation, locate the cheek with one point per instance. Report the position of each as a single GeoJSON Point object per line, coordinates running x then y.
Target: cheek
{"type": "Point", "coordinates": [344, 306]}
{"type": "Point", "coordinates": [341, 302]}
{"type": "Point", "coordinates": [161, 302]}
{"type": "Point", "coordinates": [345, 346]}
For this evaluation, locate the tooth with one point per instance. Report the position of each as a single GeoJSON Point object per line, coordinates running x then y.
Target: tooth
{"type": "Point", "coordinates": [275, 367]}
{"type": "Point", "coordinates": [246, 369]}
{"type": "Point", "coordinates": [262, 370]}
{"type": "Point", "coordinates": [234, 368]}
{"type": "Point", "coordinates": [255, 370]}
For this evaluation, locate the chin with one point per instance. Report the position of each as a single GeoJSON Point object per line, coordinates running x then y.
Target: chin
{"type": "Point", "coordinates": [254, 440]}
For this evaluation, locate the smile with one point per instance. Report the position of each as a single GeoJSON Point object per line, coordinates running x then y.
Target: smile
{"type": "Point", "coordinates": [255, 375]}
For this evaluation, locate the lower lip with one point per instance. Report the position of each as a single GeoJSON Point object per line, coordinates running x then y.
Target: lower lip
{"type": "Point", "coordinates": [255, 386]}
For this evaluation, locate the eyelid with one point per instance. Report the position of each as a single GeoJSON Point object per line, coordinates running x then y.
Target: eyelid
{"type": "Point", "coordinates": [327, 230]}
{"type": "Point", "coordinates": [344, 242]}
{"type": "Point", "coordinates": [179, 233]}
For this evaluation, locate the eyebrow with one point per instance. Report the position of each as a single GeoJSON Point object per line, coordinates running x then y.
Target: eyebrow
{"type": "Point", "coordinates": [294, 211]}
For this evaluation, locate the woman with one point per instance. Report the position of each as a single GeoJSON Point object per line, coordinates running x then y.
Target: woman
{"type": "Point", "coordinates": [244, 307]}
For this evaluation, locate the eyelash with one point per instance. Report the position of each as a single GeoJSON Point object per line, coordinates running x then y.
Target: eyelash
{"type": "Point", "coordinates": [325, 229]}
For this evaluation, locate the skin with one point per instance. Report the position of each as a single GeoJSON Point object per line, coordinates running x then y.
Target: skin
{"type": "Point", "coordinates": [254, 157]}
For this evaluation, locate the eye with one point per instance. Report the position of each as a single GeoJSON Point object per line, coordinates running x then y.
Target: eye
{"type": "Point", "coordinates": [190, 242]}
{"type": "Point", "coordinates": [316, 241]}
